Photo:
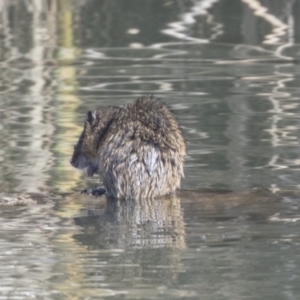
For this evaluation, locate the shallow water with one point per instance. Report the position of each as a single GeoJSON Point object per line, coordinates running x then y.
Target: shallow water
{"type": "Point", "coordinates": [231, 75]}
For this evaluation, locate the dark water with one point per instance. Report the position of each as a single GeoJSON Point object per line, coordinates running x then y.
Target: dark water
{"type": "Point", "coordinates": [230, 71]}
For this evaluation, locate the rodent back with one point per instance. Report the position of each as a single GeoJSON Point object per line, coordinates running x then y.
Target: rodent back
{"type": "Point", "coordinates": [143, 151]}
{"type": "Point", "coordinates": [149, 120]}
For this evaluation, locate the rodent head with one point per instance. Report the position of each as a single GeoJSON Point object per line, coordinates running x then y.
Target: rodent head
{"type": "Point", "coordinates": [85, 152]}
{"type": "Point", "coordinates": [85, 155]}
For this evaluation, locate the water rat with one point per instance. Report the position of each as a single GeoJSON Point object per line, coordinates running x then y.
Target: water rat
{"type": "Point", "coordinates": [138, 149]}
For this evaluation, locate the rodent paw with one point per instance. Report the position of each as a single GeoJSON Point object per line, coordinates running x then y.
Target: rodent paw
{"type": "Point", "coordinates": [97, 192]}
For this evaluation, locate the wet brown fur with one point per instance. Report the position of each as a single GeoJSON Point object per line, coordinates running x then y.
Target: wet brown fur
{"type": "Point", "coordinates": [138, 150]}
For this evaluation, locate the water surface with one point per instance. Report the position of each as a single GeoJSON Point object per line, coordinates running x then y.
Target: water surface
{"type": "Point", "coordinates": [229, 71]}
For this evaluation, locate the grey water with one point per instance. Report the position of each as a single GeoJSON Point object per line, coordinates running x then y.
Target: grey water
{"type": "Point", "coordinates": [230, 72]}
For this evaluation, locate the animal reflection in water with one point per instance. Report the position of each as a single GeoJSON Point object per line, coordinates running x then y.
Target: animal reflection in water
{"type": "Point", "coordinates": [154, 223]}
{"type": "Point", "coordinates": [146, 223]}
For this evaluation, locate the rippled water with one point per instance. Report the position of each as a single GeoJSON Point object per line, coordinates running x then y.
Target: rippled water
{"type": "Point", "coordinates": [231, 75]}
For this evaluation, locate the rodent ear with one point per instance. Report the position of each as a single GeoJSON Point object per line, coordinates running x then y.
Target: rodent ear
{"type": "Point", "coordinates": [91, 117]}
